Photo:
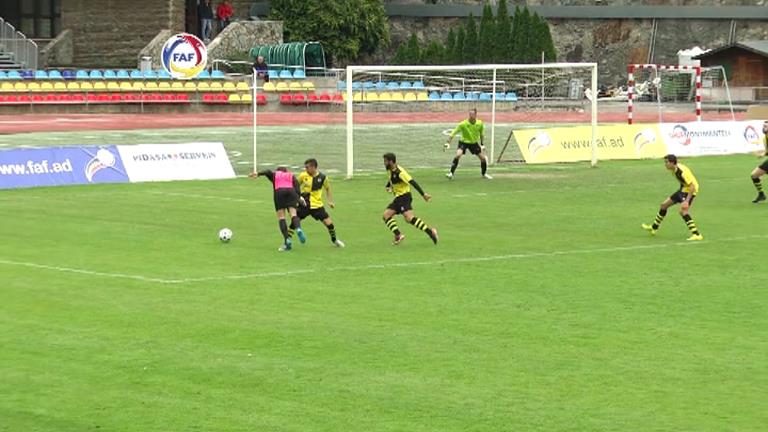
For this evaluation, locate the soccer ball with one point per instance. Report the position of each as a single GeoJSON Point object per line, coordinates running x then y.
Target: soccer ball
{"type": "Point", "coordinates": [225, 235]}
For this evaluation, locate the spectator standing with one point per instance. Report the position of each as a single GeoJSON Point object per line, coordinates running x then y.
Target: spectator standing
{"type": "Point", "coordinates": [205, 12]}
{"type": "Point", "coordinates": [224, 13]}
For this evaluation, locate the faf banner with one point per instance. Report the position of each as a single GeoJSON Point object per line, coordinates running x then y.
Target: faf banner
{"type": "Point", "coordinates": [57, 166]}
{"type": "Point", "coordinates": [571, 144]}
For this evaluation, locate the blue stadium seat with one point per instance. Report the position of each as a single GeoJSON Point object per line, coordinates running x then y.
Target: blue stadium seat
{"type": "Point", "coordinates": [340, 84]}
{"type": "Point", "coordinates": [163, 74]}
{"type": "Point", "coordinates": [273, 74]}
{"type": "Point", "coordinates": [299, 74]}
{"type": "Point", "coordinates": [501, 97]}
{"type": "Point", "coordinates": [356, 85]}
{"type": "Point", "coordinates": [511, 97]}
{"type": "Point", "coordinates": [12, 74]}
{"type": "Point", "coordinates": [3, 75]}
{"type": "Point", "coordinates": [136, 74]}
{"type": "Point", "coordinates": [81, 74]}
{"type": "Point", "coordinates": [380, 85]}
{"type": "Point", "coordinates": [110, 74]}
{"type": "Point", "coordinates": [472, 96]}
{"type": "Point", "coordinates": [68, 74]}
{"type": "Point", "coordinates": [405, 85]}
{"type": "Point", "coordinates": [217, 74]}
{"type": "Point", "coordinates": [55, 75]}
{"type": "Point", "coordinates": [418, 84]}
{"type": "Point", "coordinates": [41, 74]}
{"type": "Point", "coordinates": [285, 74]}
{"type": "Point", "coordinates": [368, 85]}
{"type": "Point", "coordinates": [392, 85]}
{"type": "Point", "coordinates": [28, 74]}
{"type": "Point", "coordinates": [459, 97]}
{"type": "Point", "coordinates": [95, 74]}
{"type": "Point", "coordinates": [485, 97]}
{"type": "Point", "coordinates": [434, 96]}
{"type": "Point", "coordinates": [204, 74]}
{"type": "Point", "coordinates": [445, 96]}
{"type": "Point", "coordinates": [150, 74]}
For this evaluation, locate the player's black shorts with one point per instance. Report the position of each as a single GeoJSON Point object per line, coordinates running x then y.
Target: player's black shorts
{"type": "Point", "coordinates": [473, 148]}
{"type": "Point", "coordinates": [764, 166]}
{"type": "Point", "coordinates": [680, 196]}
{"type": "Point", "coordinates": [318, 214]}
{"type": "Point", "coordinates": [285, 198]}
{"type": "Point", "coordinates": [401, 204]}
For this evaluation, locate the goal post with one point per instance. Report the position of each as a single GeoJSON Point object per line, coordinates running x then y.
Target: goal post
{"type": "Point", "coordinates": [413, 108]}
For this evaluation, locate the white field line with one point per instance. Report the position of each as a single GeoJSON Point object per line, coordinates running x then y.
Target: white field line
{"type": "Point", "coordinates": [506, 257]}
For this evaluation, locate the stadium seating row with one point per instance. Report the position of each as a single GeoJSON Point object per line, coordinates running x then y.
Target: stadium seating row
{"type": "Point", "coordinates": [285, 87]}
{"type": "Point", "coordinates": [381, 85]}
{"type": "Point", "coordinates": [431, 96]}
{"type": "Point", "coordinates": [311, 98]}
{"type": "Point", "coordinates": [75, 86]}
{"type": "Point", "coordinates": [96, 74]}
{"type": "Point", "coordinates": [286, 74]}
{"type": "Point", "coordinates": [82, 98]}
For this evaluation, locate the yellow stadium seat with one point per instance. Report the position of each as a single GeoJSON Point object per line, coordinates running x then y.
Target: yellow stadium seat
{"type": "Point", "coordinates": [113, 86]}
{"type": "Point", "coordinates": [203, 86]}
{"type": "Point", "coordinates": [422, 96]}
{"type": "Point", "coordinates": [269, 87]}
{"type": "Point", "coordinates": [189, 86]}
{"type": "Point", "coordinates": [138, 86]}
{"type": "Point", "coordinates": [60, 86]}
{"type": "Point", "coordinates": [216, 86]}
{"type": "Point", "coordinates": [97, 86]}
{"type": "Point", "coordinates": [125, 86]}
{"type": "Point", "coordinates": [229, 87]}
{"type": "Point", "coordinates": [397, 96]}
{"type": "Point", "coordinates": [20, 87]}
{"type": "Point", "coordinates": [73, 86]}
{"type": "Point", "coordinates": [163, 85]}
{"type": "Point", "coordinates": [294, 87]}
{"type": "Point", "coordinates": [234, 98]}
{"type": "Point", "coordinates": [33, 87]}
{"type": "Point", "coordinates": [86, 86]}
{"type": "Point", "coordinates": [281, 86]}
{"type": "Point", "coordinates": [385, 97]}
{"type": "Point", "coordinates": [46, 86]}
{"type": "Point", "coordinates": [177, 86]}
{"type": "Point", "coordinates": [308, 86]}
{"type": "Point", "coordinates": [409, 97]}
{"type": "Point", "coordinates": [6, 87]}
{"type": "Point", "coordinates": [371, 97]}
{"type": "Point", "coordinates": [243, 86]}
{"type": "Point", "coordinates": [246, 98]}
{"type": "Point", "coordinates": [151, 86]}
{"type": "Point", "coordinates": [357, 97]}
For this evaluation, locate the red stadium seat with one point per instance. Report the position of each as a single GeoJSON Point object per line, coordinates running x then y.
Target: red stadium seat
{"type": "Point", "coordinates": [78, 98]}
{"type": "Point", "coordinates": [313, 98]}
{"type": "Point", "coordinates": [116, 97]}
{"type": "Point", "coordinates": [299, 99]}
{"type": "Point", "coordinates": [168, 97]}
{"type": "Point", "coordinates": [337, 98]}
{"type": "Point", "coordinates": [3, 99]}
{"type": "Point", "coordinates": [25, 99]}
{"type": "Point", "coordinates": [50, 98]}
{"type": "Point", "coordinates": [325, 98]}
{"type": "Point", "coordinates": [103, 97]}
{"type": "Point", "coordinates": [285, 99]}
{"type": "Point", "coordinates": [182, 97]}
{"type": "Point", "coordinates": [261, 99]}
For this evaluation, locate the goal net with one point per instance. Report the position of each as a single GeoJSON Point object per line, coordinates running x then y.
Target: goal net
{"type": "Point", "coordinates": [675, 93]}
{"type": "Point", "coordinates": [411, 110]}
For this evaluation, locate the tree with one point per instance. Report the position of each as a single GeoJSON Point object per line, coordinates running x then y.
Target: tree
{"type": "Point", "coordinates": [346, 28]}
{"type": "Point", "coordinates": [412, 50]}
{"type": "Point", "coordinates": [433, 54]}
{"type": "Point", "coordinates": [521, 36]}
{"type": "Point", "coordinates": [450, 48]}
{"type": "Point", "coordinates": [470, 41]}
{"type": "Point", "coordinates": [503, 36]}
{"type": "Point", "coordinates": [458, 56]}
{"type": "Point", "coordinates": [486, 40]}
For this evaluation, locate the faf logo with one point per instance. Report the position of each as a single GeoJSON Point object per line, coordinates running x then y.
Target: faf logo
{"type": "Point", "coordinates": [751, 136]}
{"type": "Point", "coordinates": [540, 141]}
{"type": "Point", "coordinates": [103, 159]}
{"type": "Point", "coordinates": [644, 138]}
{"type": "Point", "coordinates": [184, 56]}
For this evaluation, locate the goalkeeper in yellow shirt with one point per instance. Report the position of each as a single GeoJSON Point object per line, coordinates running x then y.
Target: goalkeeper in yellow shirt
{"type": "Point", "coordinates": [471, 139]}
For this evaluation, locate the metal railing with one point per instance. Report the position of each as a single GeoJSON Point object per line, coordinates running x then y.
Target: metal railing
{"type": "Point", "coordinates": [23, 50]}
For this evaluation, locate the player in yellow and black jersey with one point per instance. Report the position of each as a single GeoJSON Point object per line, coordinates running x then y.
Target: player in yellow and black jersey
{"type": "Point", "coordinates": [313, 183]}
{"type": "Point", "coordinates": [762, 169]}
{"type": "Point", "coordinates": [399, 183]}
{"type": "Point", "coordinates": [689, 188]}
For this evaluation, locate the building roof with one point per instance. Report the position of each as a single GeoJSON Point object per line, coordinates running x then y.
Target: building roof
{"type": "Point", "coordinates": [756, 46]}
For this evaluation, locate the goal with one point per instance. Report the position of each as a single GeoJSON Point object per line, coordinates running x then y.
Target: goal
{"type": "Point", "coordinates": [411, 110]}
{"type": "Point", "coordinates": [675, 93]}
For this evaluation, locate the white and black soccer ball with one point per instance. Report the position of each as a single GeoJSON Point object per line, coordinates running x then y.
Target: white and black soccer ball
{"type": "Point", "coordinates": [225, 235]}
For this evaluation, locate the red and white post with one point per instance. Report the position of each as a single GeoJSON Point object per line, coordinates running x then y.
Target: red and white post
{"type": "Point", "coordinates": [631, 84]}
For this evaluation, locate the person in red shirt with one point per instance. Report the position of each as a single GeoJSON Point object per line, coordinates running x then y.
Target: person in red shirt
{"type": "Point", "coordinates": [224, 12]}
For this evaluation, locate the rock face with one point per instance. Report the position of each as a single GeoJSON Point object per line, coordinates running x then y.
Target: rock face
{"type": "Point", "coordinates": [241, 36]}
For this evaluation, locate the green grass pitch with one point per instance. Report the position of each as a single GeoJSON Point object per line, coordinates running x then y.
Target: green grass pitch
{"type": "Point", "coordinates": [544, 306]}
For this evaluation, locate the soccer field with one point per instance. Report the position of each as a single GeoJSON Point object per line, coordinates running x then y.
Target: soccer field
{"type": "Point", "coordinates": [544, 306]}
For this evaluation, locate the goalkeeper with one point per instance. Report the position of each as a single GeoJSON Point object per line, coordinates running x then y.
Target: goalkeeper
{"type": "Point", "coordinates": [471, 139]}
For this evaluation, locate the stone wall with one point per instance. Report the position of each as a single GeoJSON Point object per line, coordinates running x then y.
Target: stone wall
{"type": "Point", "coordinates": [58, 52]}
{"type": "Point", "coordinates": [241, 36]}
{"type": "Point", "coordinates": [110, 33]}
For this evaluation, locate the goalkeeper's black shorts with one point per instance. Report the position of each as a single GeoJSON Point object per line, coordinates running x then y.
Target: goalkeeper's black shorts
{"type": "Point", "coordinates": [473, 148]}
